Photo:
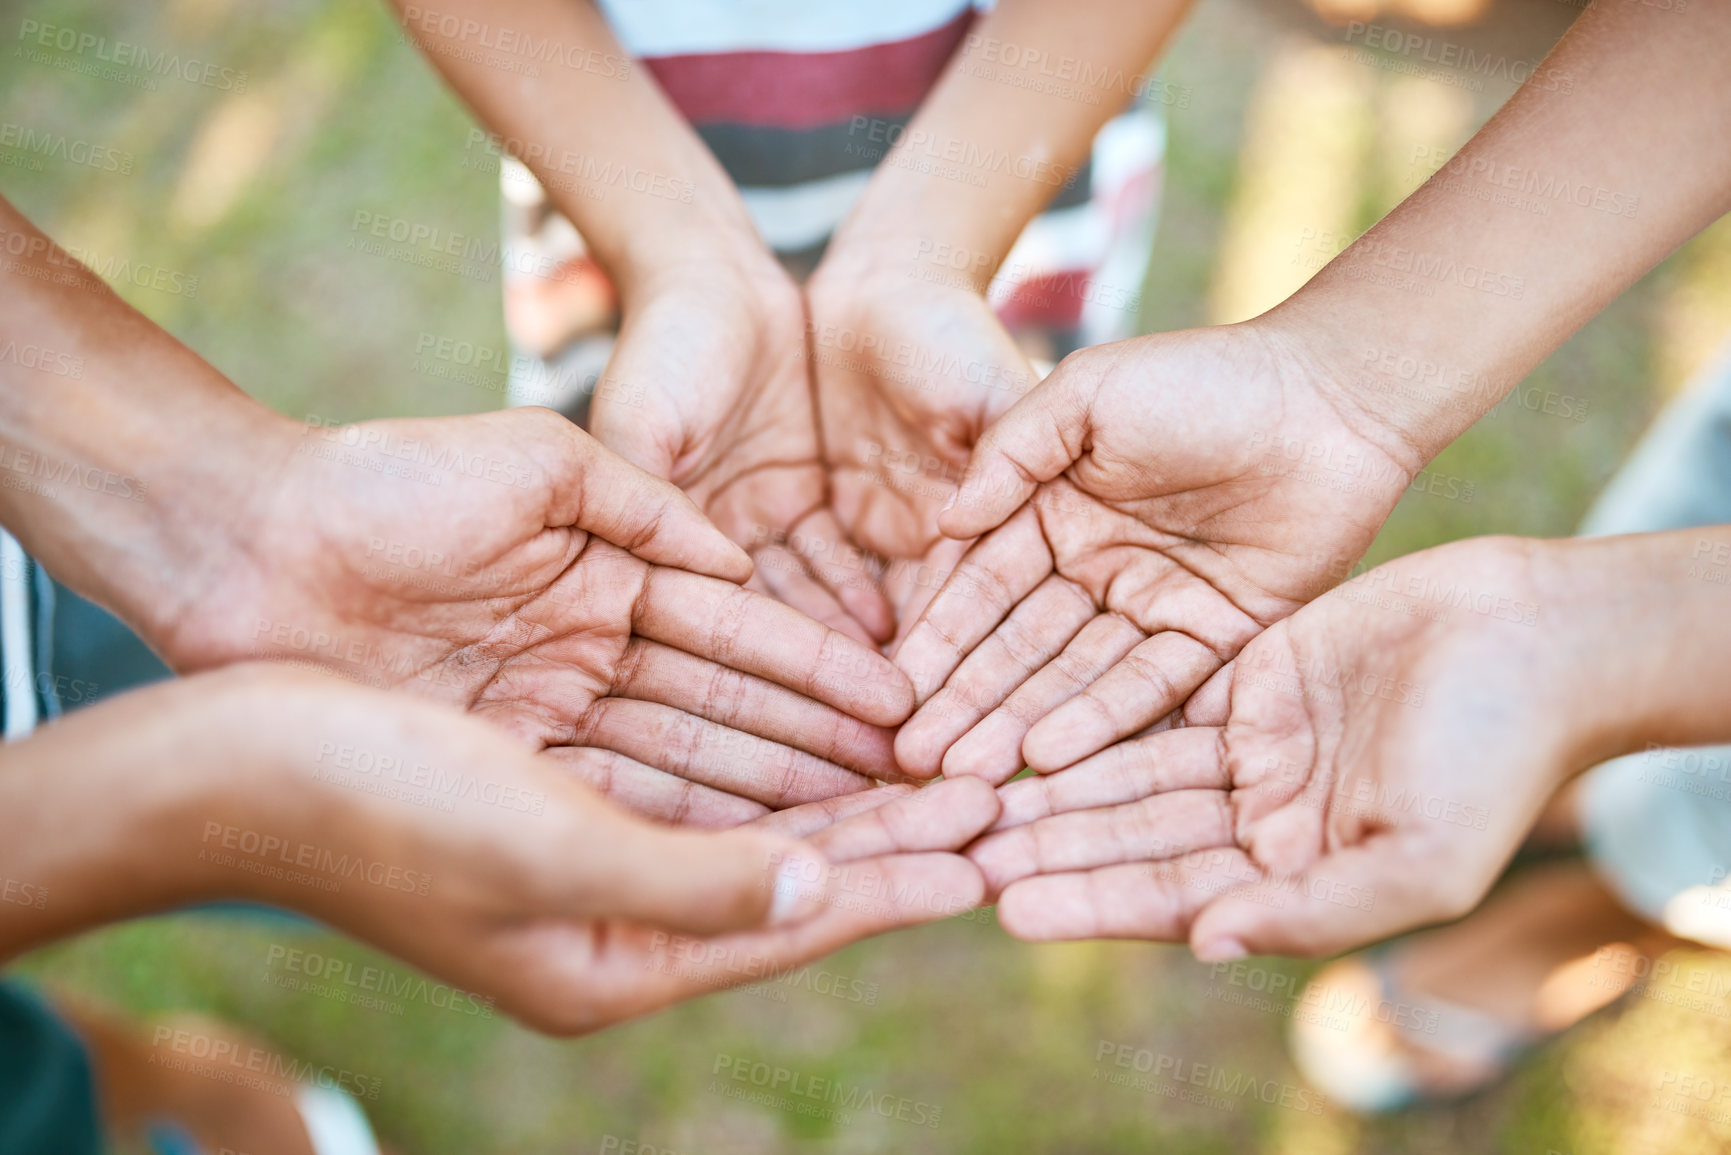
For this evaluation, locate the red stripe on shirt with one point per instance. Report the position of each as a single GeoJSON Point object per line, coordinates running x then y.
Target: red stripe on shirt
{"type": "Point", "coordinates": [1052, 300]}
{"type": "Point", "coordinates": [806, 89]}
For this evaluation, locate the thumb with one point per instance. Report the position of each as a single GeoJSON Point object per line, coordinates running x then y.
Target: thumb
{"type": "Point", "coordinates": [1355, 896]}
{"type": "Point", "coordinates": [635, 432]}
{"type": "Point", "coordinates": [706, 883]}
{"type": "Point", "coordinates": [618, 502]}
{"type": "Point", "coordinates": [1040, 437]}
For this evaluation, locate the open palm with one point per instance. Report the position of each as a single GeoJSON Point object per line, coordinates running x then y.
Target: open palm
{"type": "Point", "coordinates": [1366, 765]}
{"type": "Point", "coordinates": [1151, 507]}
{"type": "Point", "coordinates": [529, 887]}
{"type": "Point", "coordinates": [708, 388]}
{"type": "Point", "coordinates": [908, 377]}
{"type": "Point", "coordinates": [507, 563]}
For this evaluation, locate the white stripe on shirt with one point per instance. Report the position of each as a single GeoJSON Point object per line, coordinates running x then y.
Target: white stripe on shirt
{"type": "Point", "coordinates": [682, 27]}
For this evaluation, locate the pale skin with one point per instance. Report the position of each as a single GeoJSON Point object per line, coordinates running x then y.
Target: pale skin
{"type": "Point", "coordinates": [503, 562]}
{"type": "Point", "coordinates": [532, 889]}
{"type": "Point", "coordinates": [1370, 763]}
{"type": "Point", "coordinates": [1190, 489]}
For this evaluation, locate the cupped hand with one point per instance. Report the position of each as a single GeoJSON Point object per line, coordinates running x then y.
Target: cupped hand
{"type": "Point", "coordinates": [708, 387]}
{"type": "Point", "coordinates": [909, 373]}
{"type": "Point", "coordinates": [1367, 765]}
{"type": "Point", "coordinates": [507, 563]}
{"type": "Point", "coordinates": [525, 885]}
{"type": "Point", "coordinates": [1149, 508]}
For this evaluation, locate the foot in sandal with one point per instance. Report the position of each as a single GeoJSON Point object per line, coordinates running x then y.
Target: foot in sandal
{"type": "Point", "coordinates": [1446, 1012]}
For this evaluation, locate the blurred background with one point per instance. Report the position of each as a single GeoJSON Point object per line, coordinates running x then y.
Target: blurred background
{"type": "Point", "coordinates": [232, 227]}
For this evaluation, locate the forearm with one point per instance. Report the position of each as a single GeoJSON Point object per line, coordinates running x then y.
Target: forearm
{"type": "Point", "coordinates": [1595, 170]}
{"type": "Point", "coordinates": [1011, 122]}
{"type": "Point", "coordinates": [584, 112]}
{"type": "Point", "coordinates": [102, 813]}
{"type": "Point", "coordinates": [125, 466]}
{"type": "Point", "coordinates": [1641, 626]}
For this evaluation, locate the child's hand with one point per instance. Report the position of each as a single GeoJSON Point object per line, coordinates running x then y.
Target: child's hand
{"type": "Point", "coordinates": [908, 376]}
{"type": "Point", "coordinates": [708, 388]}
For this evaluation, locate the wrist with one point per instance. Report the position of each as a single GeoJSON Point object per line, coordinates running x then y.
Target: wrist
{"type": "Point", "coordinates": [206, 506]}
{"type": "Point", "coordinates": [906, 249]}
{"type": "Point", "coordinates": [654, 248]}
{"type": "Point", "coordinates": [739, 266]}
{"type": "Point", "coordinates": [1409, 404]}
{"type": "Point", "coordinates": [112, 807]}
{"type": "Point", "coordinates": [130, 478]}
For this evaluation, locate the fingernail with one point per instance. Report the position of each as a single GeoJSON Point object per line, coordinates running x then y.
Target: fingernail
{"type": "Point", "coordinates": [1221, 950]}
{"type": "Point", "coordinates": [799, 889]}
{"type": "Point", "coordinates": [950, 501]}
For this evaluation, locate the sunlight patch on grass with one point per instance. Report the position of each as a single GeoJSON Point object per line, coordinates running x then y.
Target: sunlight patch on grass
{"type": "Point", "coordinates": [1307, 133]}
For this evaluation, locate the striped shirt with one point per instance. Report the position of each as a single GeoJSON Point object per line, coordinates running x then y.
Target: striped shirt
{"type": "Point", "coordinates": [800, 99]}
